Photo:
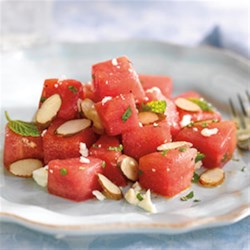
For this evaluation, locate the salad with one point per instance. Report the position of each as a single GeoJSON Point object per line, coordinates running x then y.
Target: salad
{"type": "Point", "coordinates": [121, 135]}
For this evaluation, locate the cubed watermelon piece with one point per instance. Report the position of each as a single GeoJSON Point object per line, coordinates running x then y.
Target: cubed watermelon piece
{"type": "Point", "coordinates": [18, 147]}
{"type": "Point", "coordinates": [164, 83]}
{"type": "Point", "coordinates": [73, 179]}
{"type": "Point", "coordinates": [69, 90]}
{"type": "Point", "coordinates": [218, 145]}
{"type": "Point", "coordinates": [60, 147]}
{"type": "Point", "coordinates": [107, 149]}
{"type": "Point", "coordinates": [118, 114]}
{"type": "Point", "coordinates": [115, 77]}
{"type": "Point", "coordinates": [145, 140]}
{"type": "Point", "coordinates": [167, 173]}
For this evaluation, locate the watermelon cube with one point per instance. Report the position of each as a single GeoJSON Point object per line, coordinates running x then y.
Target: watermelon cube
{"type": "Point", "coordinates": [118, 114]}
{"type": "Point", "coordinates": [115, 77]}
{"type": "Point", "coordinates": [74, 179]}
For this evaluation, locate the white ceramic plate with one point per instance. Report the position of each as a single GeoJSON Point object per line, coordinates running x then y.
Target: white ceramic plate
{"type": "Point", "coordinates": [217, 75]}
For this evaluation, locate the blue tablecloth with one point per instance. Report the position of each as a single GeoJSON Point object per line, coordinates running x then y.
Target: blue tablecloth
{"type": "Point", "coordinates": [184, 22]}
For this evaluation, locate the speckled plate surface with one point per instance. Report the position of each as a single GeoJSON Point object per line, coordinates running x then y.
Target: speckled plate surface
{"type": "Point", "coordinates": [215, 74]}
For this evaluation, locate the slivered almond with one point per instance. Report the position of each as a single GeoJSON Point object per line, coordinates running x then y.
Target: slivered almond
{"type": "Point", "coordinates": [48, 111]}
{"type": "Point", "coordinates": [25, 167]}
{"type": "Point", "coordinates": [187, 105]}
{"type": "Point", "coordinates": [128, 166]}
{"type": "Point", "coordinates": [212, 177]}
{"type": "Point", "coordinates": [73, 126]}
{"type": "Point", "coordinates": [174, 145]}
{"type": "Point", "coordinates": [90, 112]}
{"type": "Point", "coordinates": [111, 191]}
{"type": "Point", "coordinates": [147, 117]}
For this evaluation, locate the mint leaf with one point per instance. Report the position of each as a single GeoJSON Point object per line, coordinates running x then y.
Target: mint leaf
{"type": "Point", "coordinates": [199, 157]}
{"type": "Point", "coordinates": [158, 107]}
{"type": "Point", "coordinates": [195, 178]}
{"type": "Point", "coordinates": [139, 197]}
{"type": "Point", "coordinates": [22, 128]}
{"type": "Point", "coordinates": [117, 149]}
{"type": "Point", "coordinates": [188, 196]}
{"type": "Point", "coordinates": [73, 89]}
{"type": "Point", "coordinates": [205, 106]}
{"type": "Point", "coordinates": [126, 114]}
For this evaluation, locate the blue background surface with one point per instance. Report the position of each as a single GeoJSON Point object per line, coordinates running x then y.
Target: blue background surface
{"type": "Point", "coordinates": [223, 24]}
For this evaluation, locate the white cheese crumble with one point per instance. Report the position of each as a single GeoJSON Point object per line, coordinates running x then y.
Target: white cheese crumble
{"type": "Point", "coordinates": [83, 150]}
{"type": "Point", "coordinates": [154, 89]}
{"type": "Point", "coordinates": [144, 202]}
{"type": "Point", "coordinates": [106, 99]}
{"type": "Point", "coordinates": [84, 159]}
{"type": "Point", "coordinates": [99, 196]}
{"type": "Point", "coordinates": [208, 132]}
{"type": "Point", "coordinates": [114, 62]}
{"type": "Point", "coordinates": [40, 176]}
{"type": "Point", "coordinates": [63, 77]}
{"type": "Point", "coordinates": [186, 119]}
{"type": "Point", "coordinates": [44, 132]}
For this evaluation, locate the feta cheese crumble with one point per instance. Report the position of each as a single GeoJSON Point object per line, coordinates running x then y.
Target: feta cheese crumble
{"type": "Point", "coordinates": [208, 132]}
{"type": "Point", "coordinates": [134, 197]}
{"type": "Point", "coordinates": [83, 150]}
{"type": "Point", "coordinates": [84, 159]}
{"type": "Point", "coordinates": [114, 62]}
{"type": "Point", "coordinates": [106, 99]}
{"type": "Point", "coordinates": [186, 119]}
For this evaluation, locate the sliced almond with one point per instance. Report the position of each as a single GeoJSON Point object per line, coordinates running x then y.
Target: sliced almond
{"type": "Point", "coordinates": [90, 112]}
{"type": "Point", "coordinates": [111, 191]}
{"type": "Point", "coordinates": [174, 145]}
{"type": "Point", "coordinates": [212, 177]}
{"type": "Point", "coordinates": [72, 127]}
{"type": "Point", "coordinates": [25, 167]}
{"type": "Point", "coordinates": [187, 105]}
{"type": "Point", "coordinates": [48, 110]}
{"type": "Point", "coordinates": [147, 117]}
{"type": "Point", "coordinates": [129, 167]}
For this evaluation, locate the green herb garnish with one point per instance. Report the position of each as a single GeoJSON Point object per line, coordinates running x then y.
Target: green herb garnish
{"type": "Point", "coordinates": [139, 197]}
{"type": "Point", "coordinates": [188, 196]}
{"type": "Point", "coordinates": [164, 152]}
{"type": "Point", "coordinates": [22, 128]}
{"type": "Point", "coordinates": [43, 99]}
{"type": "Point", "coordinates": [182, 149]}
{"type": "Point", "coordinates": [204, 124]}
{"type": "Point", "coordinates": [224, 157]}
{"type": "Point", "coordinates": [127, 114]}
{"type": "Point", "coordinates": [243, 169]}
{"type": "Point", "coordinates": [196, 200]}
{"type": "Point", "coordinates": [140, 172]}
{"type": "Point", "coordinates": [103, 164]}
{"type": "Point", "coordinates": [199, 157]}
{"type": "Point", "coordinates": [204, 105]}
{"type": "Point", "coordinates": [158, 107]}
{"type": "Point", "coordinates": [195, 178]}
{"type": "Point", "coordinates": [117, 149]}
{"type": "Point", "coordinates": [73, 89]}
{"type": "Point", "coordinates": [63, 171]}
